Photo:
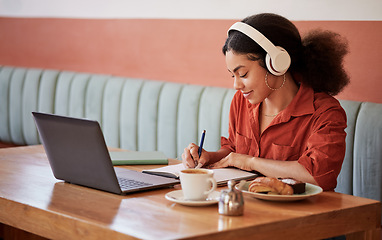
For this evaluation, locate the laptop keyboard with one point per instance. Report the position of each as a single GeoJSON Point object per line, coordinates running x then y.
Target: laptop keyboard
{"type": "Point", "coordinates": [125, 183]}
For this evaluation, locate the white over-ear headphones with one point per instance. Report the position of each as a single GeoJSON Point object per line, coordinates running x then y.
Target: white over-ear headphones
{"type": "Point", "coordinates": [277, 58]}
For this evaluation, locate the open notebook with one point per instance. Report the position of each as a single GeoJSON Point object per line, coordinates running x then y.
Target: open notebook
{"type": "Point", "coordinates": [221, 175]}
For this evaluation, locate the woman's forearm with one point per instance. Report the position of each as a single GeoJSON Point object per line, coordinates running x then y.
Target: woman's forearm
{"type": "Point", "coordinates": [283, 169]}
{"type": "Point", "coordinates": [218, 155]}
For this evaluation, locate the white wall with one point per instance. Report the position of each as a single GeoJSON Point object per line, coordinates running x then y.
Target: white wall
{"type": "Point", "coordinates": [194, 9]}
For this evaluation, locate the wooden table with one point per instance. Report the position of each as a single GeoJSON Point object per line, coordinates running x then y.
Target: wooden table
{"type": "Point", "coordinates": [32, 200]}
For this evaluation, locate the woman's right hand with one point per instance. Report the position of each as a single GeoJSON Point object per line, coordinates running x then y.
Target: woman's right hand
{"type": "Point", "coordinates": [190, 157]}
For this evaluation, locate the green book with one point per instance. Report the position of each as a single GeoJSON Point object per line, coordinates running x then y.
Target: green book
{"type": "Point", "coordinates": [138, 158]}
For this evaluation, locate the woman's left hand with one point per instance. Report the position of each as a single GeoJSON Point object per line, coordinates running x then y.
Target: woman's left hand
{"type": "Point", "coordinates": [242, 161]}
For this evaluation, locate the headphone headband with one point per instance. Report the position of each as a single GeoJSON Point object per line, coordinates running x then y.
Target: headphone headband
{"type": "Point", "coordinates": [277, 59]}
{"type": "Point", "coordinates": [255, 35]}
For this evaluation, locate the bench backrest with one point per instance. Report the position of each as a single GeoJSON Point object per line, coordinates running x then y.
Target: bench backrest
{"type": "Point", "coordinates": [134, 114]}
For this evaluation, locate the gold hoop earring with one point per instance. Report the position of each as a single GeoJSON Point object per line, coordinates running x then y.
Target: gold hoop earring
{"type": "Point", "coordinates": [273, 89]}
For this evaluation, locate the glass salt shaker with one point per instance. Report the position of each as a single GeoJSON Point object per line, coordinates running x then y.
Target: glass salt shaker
{"type": "Point", "coordinates": [231, 202]}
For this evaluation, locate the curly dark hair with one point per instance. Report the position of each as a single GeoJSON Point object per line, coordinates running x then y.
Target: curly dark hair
{"type": "Point", "coordinates": [317, 57]}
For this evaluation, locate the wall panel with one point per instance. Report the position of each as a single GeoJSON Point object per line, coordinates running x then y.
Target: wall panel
{"type": "Point", "coordinates": [175, 50]}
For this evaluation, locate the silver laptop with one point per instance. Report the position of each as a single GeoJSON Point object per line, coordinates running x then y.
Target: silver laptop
{"type": "Point", "coordinates": [77, 154]}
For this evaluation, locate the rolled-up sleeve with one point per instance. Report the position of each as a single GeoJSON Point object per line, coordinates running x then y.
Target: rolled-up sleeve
{"type": "Point", "coordinates": [326, 148]}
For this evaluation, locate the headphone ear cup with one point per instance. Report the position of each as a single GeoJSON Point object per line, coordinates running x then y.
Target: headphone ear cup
{"type": "Point", "coordinates": [279, 64]}
{"type": "Point", "coordinates": [268, 63]}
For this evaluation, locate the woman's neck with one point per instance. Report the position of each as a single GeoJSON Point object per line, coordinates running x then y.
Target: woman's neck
{"type": "Point", "coordinates": [279, 99]}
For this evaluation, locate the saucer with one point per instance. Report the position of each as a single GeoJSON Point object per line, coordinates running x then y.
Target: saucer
{"type": "Point", "coordinates": [177, 197]}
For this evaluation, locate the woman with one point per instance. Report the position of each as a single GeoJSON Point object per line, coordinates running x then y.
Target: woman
{"type": "Point", "coordinates": [284, 120]}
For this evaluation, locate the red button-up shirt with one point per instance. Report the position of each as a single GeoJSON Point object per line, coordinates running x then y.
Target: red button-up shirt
{"type": "Point", "coordinates": [310, 130]}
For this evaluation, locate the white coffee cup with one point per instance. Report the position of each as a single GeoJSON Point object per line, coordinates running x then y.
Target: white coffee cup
{"type": "Point", "coordinates": [197, 183]}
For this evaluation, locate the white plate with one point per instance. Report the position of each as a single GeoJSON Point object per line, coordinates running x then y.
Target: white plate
{"type": "Point", "coordinates": [311, 190]}
{"type": "Point", "coordinates": [177, 197]}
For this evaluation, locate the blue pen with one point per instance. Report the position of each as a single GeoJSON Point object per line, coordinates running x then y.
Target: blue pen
{"type": "Point", "coordinates": [201, 143]}
{"type": "Point", "coordinates": [201, 147]}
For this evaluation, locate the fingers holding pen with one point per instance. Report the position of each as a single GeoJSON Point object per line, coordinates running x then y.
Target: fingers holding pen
{"type": "Point", "coordinates": [191, 159]}
{"type": "Point", "coordinates": [194, 151]}
{"type": "Point", "coordinates": [190, 156]}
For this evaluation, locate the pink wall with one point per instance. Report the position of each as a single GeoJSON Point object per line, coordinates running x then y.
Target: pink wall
{"type": "Point", "coordinates": [186, 51]}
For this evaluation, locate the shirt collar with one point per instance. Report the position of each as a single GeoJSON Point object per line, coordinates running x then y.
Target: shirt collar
{"type": "Point", "coordinates": [302, 103]}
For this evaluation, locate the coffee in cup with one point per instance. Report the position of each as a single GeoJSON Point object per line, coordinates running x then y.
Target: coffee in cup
{"type": "Point", "coordinates": [197, 183]}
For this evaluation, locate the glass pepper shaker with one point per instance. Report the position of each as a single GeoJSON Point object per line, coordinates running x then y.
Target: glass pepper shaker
{"type": "Point", "coordinates": [231, 202]}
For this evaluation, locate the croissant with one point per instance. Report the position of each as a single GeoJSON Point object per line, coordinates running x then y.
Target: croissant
{"type": "Point", "coordinates": [270, 185]}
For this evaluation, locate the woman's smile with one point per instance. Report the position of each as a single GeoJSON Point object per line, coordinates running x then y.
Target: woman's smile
{"type": "Point", "coordinates": [247, 94]}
